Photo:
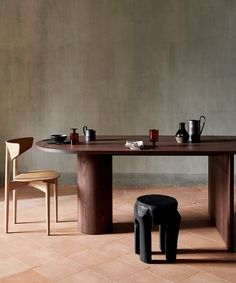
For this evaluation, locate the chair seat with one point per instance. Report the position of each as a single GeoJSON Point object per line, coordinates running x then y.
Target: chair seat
{"type": "Point", "coordinates": [39, 175]}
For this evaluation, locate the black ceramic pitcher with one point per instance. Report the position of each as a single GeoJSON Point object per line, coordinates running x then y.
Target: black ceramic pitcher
{"type": "Point", "coordinates": [90, 134]}
{"type": "Point", "coordinates": [195, 128]}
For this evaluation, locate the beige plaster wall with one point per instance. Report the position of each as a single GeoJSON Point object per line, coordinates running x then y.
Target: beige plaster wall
{"type": "Point", "coordinates": [119, 66]}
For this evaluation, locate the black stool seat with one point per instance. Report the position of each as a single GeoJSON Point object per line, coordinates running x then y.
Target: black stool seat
{"type": "Point", "coordinates": [161, 210]}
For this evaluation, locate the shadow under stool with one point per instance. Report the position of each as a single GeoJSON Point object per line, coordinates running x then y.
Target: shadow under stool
{"type": "Point", "coordinates": [160, 210]}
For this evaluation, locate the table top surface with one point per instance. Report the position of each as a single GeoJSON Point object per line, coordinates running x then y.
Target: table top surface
{"type": "Point", "coordinates": [167, 145]}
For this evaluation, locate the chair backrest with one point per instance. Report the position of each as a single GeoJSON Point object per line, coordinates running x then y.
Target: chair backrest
{"type": "Point", "coordinates": [16, 147]}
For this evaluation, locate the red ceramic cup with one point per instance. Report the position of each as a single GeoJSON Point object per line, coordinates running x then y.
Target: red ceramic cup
{"type": "Point", "coordinates": [153, 135]}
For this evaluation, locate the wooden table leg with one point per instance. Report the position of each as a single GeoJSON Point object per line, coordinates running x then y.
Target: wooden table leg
{"type": "Point", "coordinates": [221, 195]}
{"type": "Point", "coordinates": [94, 179]}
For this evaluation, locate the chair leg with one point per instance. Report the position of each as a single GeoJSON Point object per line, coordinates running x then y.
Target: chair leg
{"type": "Point", "coordinates": [6, 210]}
{"type": "Point", "coordinates": [47, 197]}
{"type": "Point", "coordinates": [56, 200]}
{"type": "Point", "coordinates": [14, 206]}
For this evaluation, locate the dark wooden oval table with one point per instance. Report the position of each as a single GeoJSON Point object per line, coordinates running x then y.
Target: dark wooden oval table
{"type": "Point", "coordinates": [94, 176]}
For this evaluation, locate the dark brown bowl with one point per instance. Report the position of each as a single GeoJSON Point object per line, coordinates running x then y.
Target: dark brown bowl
{"type": "Point", "coordinates": [58, 138]}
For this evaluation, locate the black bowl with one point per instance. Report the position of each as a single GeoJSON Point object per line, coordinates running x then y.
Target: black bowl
{"type": "Point", "coordinates": [58, 138]}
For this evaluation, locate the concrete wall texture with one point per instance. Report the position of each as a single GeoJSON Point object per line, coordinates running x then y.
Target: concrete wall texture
{"type": "Point", "coordinates": [121, 67]}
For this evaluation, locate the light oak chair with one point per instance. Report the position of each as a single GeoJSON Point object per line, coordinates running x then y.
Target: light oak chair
{"type": "Point", "coordinates": [42, 180]}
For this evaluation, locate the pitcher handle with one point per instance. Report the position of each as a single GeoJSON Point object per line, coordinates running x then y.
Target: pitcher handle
{"type": "Point", "coordinates": [204, 118]}
{"type": "Point", "coordinates": [84, 129]}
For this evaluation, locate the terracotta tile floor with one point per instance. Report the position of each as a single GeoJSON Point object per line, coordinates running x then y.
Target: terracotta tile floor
{"type": "Point", "coordinates": [28, 255]}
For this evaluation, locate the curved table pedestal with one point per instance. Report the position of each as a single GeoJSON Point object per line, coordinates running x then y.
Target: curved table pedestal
{"type": "Point", "coordinates": [94, 179]}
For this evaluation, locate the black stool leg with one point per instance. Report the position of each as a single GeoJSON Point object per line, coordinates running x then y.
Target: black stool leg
{"type": "Point", "coordinates": [136, 230]}
{"type": "Point", "coordinates": [172, 232]}
{"type": "Point", "coordinates": [145, 226]}
{"type": "Point", "coordinates": [137, 237]}
{"type": "Point", "coordinates": [162, 232]}
{"type": "Point", "coordinates": [142, 229]}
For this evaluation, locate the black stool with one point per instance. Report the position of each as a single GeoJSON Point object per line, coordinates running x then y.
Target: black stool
{"type": "Point", "coordinates": [150, 210]}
